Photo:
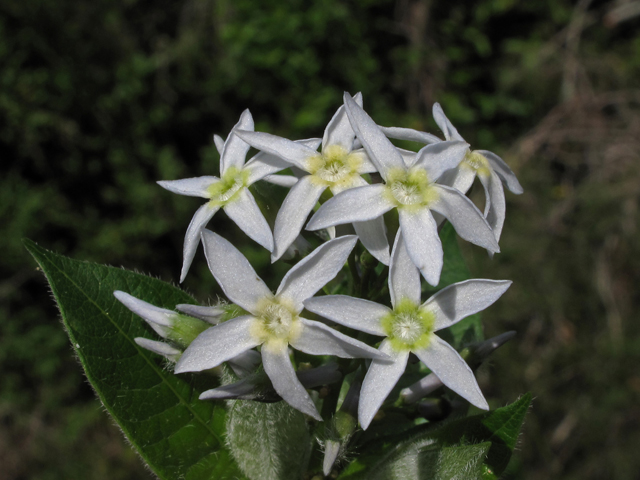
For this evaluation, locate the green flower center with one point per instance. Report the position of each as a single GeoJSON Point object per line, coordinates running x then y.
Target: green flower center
{"type": "Point", "coordinates": [276, 321]}
{"type": "Point", "coordinates": [410, 189]}
{"type": "Point", "coordinates": [408, 327]}
{"type": "Point", "coordinates": [335, 166]}
{"type": "Point", "coordinates": [476, 162]}
{"type": "Point", "coordinates": [224, 191]}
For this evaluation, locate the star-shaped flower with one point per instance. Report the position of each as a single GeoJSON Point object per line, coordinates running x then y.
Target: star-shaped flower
{"type": "Point", "coordinates": [409, 327]}
{"type": "Point", "coordinates": [337, 167]}
{"type": "Point", "coordinates": [413, 190]}
{"type": "Point", "coordinates": [487, 166]}
{"type": "Point", "coordinates": [230, 192]}
{"type": "Point", "coordinates": [273, 321]}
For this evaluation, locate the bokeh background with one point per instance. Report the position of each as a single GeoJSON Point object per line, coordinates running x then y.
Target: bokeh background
{"type": "Point", "coordinates": [99, 99]}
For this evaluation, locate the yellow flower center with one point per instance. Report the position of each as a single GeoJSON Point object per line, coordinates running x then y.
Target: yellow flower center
{"type": "Point", "coordinates": [476, 162]}
{"type": "Point", "coordinates": [410, 189]}
{"type": "Point", "coordinates": [408, 327]}
{"type": "Point", "coordinates": [277, 322]}
{"type": "Point", "coordinates": [228, 187]}
{"type": "Point", "coordinates": [335, 167]}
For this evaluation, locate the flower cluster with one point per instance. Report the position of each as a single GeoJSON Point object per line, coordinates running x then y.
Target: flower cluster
{"type": "Point", "coordinates": [356, 179]}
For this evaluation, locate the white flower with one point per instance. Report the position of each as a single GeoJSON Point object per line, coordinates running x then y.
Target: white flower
{"type": "Point", "coordinates": [487, 166]}
{"type": "Point", "coordinates": [229, 192]}
{"type": "Point", "coordinates": [273, 321]}
{"type": "Point", "coordinates": [410, 327]}
{"type": "Point", "coordinates": [413, 191]}
{"type": "Point", "coordinates": [338, 167]}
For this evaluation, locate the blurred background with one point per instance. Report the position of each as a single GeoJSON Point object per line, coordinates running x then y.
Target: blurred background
{"type": "Point", "coordinates": [100, 99]}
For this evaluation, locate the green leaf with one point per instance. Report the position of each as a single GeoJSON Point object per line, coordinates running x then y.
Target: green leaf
{"type": "Point", "coordinates": [178, 435]}
{"type": "Point", "coordinates": [455, 270]}
{"type": "Point", "coordinates": [501, 427]}
{"type": "Point", "coordinates": [270, 441]}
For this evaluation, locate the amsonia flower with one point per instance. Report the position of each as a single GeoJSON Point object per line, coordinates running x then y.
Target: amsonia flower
{"type": "Point", "coordinates": [487, 166]}
{"type": "Point", "coordinates": [337, 167]}
{"type": "Point", "coordinates": [230, 191]}
{"type": "Point", "coordinates": [409, 327]}
{"type": "Point", "coordinates": [273, 321]}
{"type": "Point", "coordinates": [412, 189]}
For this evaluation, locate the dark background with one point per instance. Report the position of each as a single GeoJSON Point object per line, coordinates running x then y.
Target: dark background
{"type": "Point", "coordinates": [100, 99]}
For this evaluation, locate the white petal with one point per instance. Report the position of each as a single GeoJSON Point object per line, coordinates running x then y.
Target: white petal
{"type": "Point", "coordinates": [373, 235]}
{"type": "Point", "coordinates": [331, 450]}
{"type": "Point", "coordinates": [218, 344]}
{"type": "Point", "coordinates": [233, 272]}
{"type": "Point", "coordinates": [367, 165]}
{"type": "Point", "coordinates": [421, 238]}
{"type": "Point", "coordinates": [408, 156]}
{"type": "Point", "coordinates": [160, 348]}
{"type": "Point", "coordinates": [208, 314]}
{"type": "Point", "coordinates": [192, 237]}
{"type": "Point", "coordinates": [245, 363]}
{"type": "Point", "coordinates": [314, 271]}
{"type": "Point", "coordinates": [219, 143]}
{"type": "Point", "coordinates": [420, 389]}
{"type": "Point", "coordinates": [192, 187]}
{"type": "Point", "coordinates": [404, 276]}
{"type": "Point", "coordinates": [355, 313]}
{"type": "Point", "coordinates": [410, 134]}
{"type": "Point", "coordinates": [465, 218]}
{"type": "Point", "coordinates": [380, 379]}
{"type": "Point", "coordinates": [277, 366]}
{"type": "Point", "coordinates": [244, 210]}
{"type": "Point", "coordinates": [353, 205]}
{"type": "Point", "coordinates": [437, 158]}
{"type": "Point", "coordinates": [495, 207]}
{"type": "Point", "coordinates": [294, 153]}
{"type": "Point", "coordinates": [235, 149]}
{"type": "Point", "coordinates": [264, 164]}
{"type": "Point", "coordinates": [380, 150]}
{"type": "Point", "coordinates": [458, 301]}
{"type": "Point", "coordinates": [281, 180]}
{"type": "Point", "coordinates": [503, 171]}
{"type": "Point", "coordinates": [459, 178]}
{"type": "Point", "coordinates": [318, 339]}
{"type": "Point", "coordinates": [155, 316]}
{"type": "Point", "coordinates": [294, 212]}
{"type": "Point", "coordinates": [242, 389]}
{"type": "Point", "coordinates": [339, 130]}
{"type": "Point", "coordinates": [452, 370]}
{"type": "Point", "coordinates": [450, 132]}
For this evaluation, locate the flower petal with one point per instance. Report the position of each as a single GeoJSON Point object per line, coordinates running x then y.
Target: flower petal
{"type": "Point", "coordinates": [339, 130]}
{"type": "Point", "coordinates": [264, 164]}
{"type": "Point", "coordinates": [495, 205]}
{"type": "Point", "coordinates": [160, 319]}
{"type": "Point", "coordinates": [313, 272]}
{"type": "Point", "coordinates": [192, 187]}
{"type": "Point", "coordinates": [423, 244]}
{"type": "Point", "coordinates": [437, 158]}
{"type": "Point", "coordinates": [460, 178]}
{"type": "Point", "coordinates": [450, 132]}
{"type": "Point", "coordinates": [218, 344]}
{"type": "Point", "coordinates": [452, 370]}
{"type": "Point", "coordinates": [192, 237]}
{"type": "Point", "coordinates": [380, 379]}
{"type": "Point", "coordinates": [161, 348]}
{"type": "Point", "coordinates": [355, 313]}
{"type": "Point", "coordinates": [458, 301]}
{"type": "Point", "coordinates": [404, 276]}
{"type": "Point", "coordinates": [235, 149]}
{"type": "Point", "coordinates": [233, 272]}
{"type": "Point", "coordinates": [465, 218]}
{"type": "Point", "coordinates": [244, 210]}
{"type": "Point", "coordinates": [245, 363]}
{"type": "Point", "coordinates": [208, 314]}
{"type": "Point", "coordinates": [318, 339]}
{"type": "Point", "coordinates": [281, 180]}
{"type": "Point", "coordinates": [292, 152]}
{"type": "Point", "coordinates": [373, 235]}
{"type": "Point", "coordinates": [294, 212]}
{"type": "Point", "coordinates": [242, 390]}
{"type": "Point", "coordinates": [354, 205]}
{"type": "Point", "coordinates": [380, 150]}
{"type": "Point", "coordinates": [410, 134]}
{"type": "Point", "coordinates": [277, 366]}
{"type": "Point", "coordinates": [503, 171]}
{"type": "Point", "coordinates": [219, 143]}
{"type": "Point", "coordinates": [367, 166]}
